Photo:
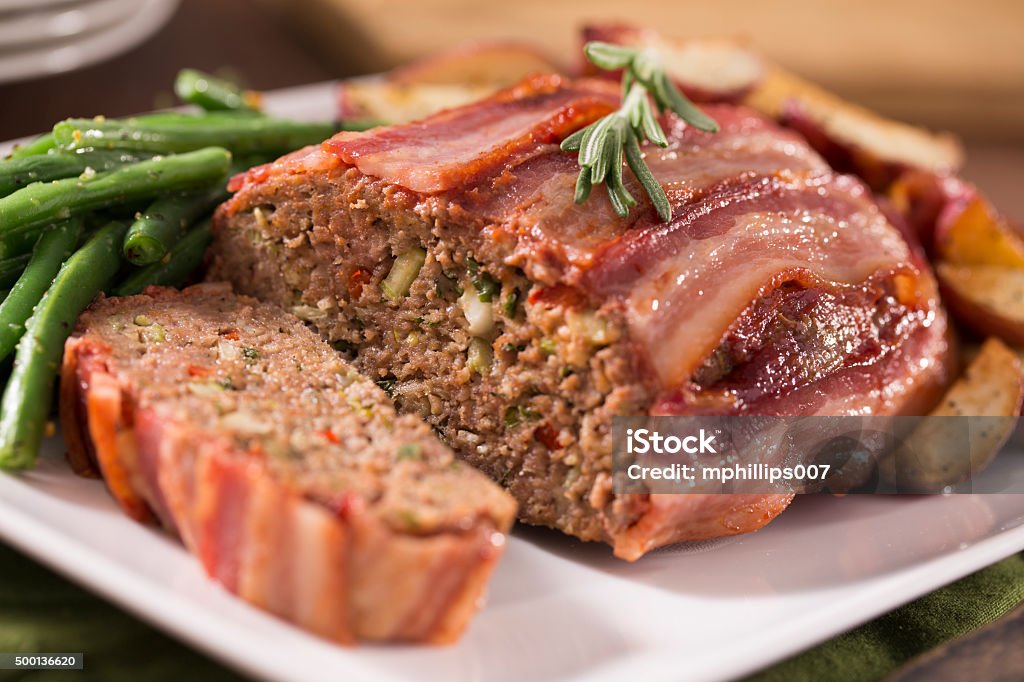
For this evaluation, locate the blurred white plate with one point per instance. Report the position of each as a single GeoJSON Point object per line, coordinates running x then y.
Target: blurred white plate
{"type": "Point", "coordinates": [13, 6]}
{"type": "Point", "coordinates": [67, 36]}
{"type": "Point", "coordinates": [558, 609]}
{"type": "Point", "coordinates": [61, 23]}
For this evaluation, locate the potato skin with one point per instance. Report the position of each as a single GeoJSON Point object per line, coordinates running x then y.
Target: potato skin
{"type": "Point", "coordinates": [932, 457]}
{"type": "Point", "coordinates": [988, 299]}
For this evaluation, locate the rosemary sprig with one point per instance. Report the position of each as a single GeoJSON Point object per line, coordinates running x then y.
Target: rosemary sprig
{"type": "Point", "coordinates": [602, 143]}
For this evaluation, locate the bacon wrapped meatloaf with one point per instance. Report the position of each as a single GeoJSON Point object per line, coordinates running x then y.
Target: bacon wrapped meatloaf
{"type": "Point", "coordinates": [448, 259]}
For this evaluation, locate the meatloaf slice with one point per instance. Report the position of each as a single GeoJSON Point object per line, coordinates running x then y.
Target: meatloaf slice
{"type": "Point", "coordinates": [449, 259]}
{"type": "Point", "coordinates": [287, 473]}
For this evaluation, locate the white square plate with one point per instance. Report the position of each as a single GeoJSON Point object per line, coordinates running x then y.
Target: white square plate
{"type": "Point", "coordinates": [558, 609]}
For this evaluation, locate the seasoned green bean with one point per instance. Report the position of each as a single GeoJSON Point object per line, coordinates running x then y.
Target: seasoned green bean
{"type": "Point", "coordinates": [43, 202]}
{"type": "Point", "coordinates": [26, 402]}
{"type": "Point", "coordinates": [19, 242]}
{"type": "Point", "coordinates": [184, 258]}
{"type": "Point", "coordinates": [40, 145]}
{"type": "Point", "coordinates": [166, 221]}
{"type": "Point", "coordinates": [11, 268]}
{"type": "Point", "coordinates": [240, 134]}
{"type": "Point", "coordinates": [53, 248]}
{"type": "Point", "coordinates": [20, 172]}
{"type": "Point", "coordinates": [212, 93]}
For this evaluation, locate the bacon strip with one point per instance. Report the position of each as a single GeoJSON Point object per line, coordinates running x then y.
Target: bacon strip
{"type": "Point", "coordinates": [509, 126]}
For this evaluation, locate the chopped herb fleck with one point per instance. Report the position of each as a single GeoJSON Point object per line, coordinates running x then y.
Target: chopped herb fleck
{"type": "Point", "coordinates": [529, 413]}
{"type": "Point", "coordinates": [512, 418]}
{"type": "Point", "coordinates": [516, 414]}
{"type": "Point", "coordinates": [486, 287]}
{"type": "Point", "coordinates": [250, 354]}
{"type": "Point", "coordinates": [344, 346]}
{"type": "Point", "coordinates": [511, 301]}
{"type": "Point", "coordinates": [409, 518]}
{"type": "Point", "coordinates": [388, 386]}
{"type": "Point", "coordinates": [410, 451]}
{"type": "Point", "coordinates": [548, 346]}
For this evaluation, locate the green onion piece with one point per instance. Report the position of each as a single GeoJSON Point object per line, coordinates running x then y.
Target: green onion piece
{"type": "Point", "coordinates": [512, 418]}
{"type": "Point", "coordinates": [410, 451]}
{"type": "Point", "coordinates": [486, 287]}
{"type": "Point", "coordinates": [403, 272]}
{"type": "Point", "coordinates": [511, 301]}
{"type": "Point", "coordinates": [480, 356]}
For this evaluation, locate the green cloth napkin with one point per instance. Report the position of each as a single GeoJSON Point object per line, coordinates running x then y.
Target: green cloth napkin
{"type": "Point", "coordinates": [42, 612]}
{"type": "Point", "coordinates": [876, 649]}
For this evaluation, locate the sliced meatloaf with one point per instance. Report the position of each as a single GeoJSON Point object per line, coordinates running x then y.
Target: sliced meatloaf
{"type": "Point", "coordinates": [287, 473]}
{"type": "Point", "coordinates": [448, 258]}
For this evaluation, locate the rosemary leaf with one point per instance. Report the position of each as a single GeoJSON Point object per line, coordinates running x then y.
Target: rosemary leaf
{"type": "Point", "coordinates": [602, 145]}
{"type": "Point", "coordinates": [650, 127]}
{"type": "Point", "coordinates": [617, 203]}
{"type": "Point", "coordinates": [572, 143]}
{"type": "Point", "coordinates": [593, 142]}
{"type": "Point", "coordinates": [635, 159]}
{"type": "Point", "coordinates": [684, 108]}
{"type": "Point", "coordinates": [606, 156]}
{"type": "Point", "coordinates": [608, 56]}
{"type": "Point", "coordinates": [582, 188]}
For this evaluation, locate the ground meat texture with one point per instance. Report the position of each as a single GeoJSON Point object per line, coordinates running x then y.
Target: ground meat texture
{"type": "Point", "coordinates": [288, 473]}
{"type": "Point", "coordinates": [536, 418]}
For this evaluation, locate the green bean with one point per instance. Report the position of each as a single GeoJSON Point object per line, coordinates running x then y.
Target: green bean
{"type": "Point", "coordinates": [212, 93]}
{"type": "Point", "coordinates": [18, 173]}
{"type": "Point", "coordinates": [184, 258]}
{"type": "Point", "coordinates": [11, 268]}
{"type": "Point", "coordinates": [51, 251]}
{"type": "Point", "coordinates": [164, 222]}
{"type": "Point", "coordinates": [240, 134]}
{"type": "Point", "coordinates": [19, 242]}
{"type": "Point", "coordinates": [43, 202]}
{"type": "Point", "coordinates": [29, 393]}
{"type": "Point", "coordinates": [40, 145]}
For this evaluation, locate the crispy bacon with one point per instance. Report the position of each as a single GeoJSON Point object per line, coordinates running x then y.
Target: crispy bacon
{"type": "Point", "coordinates": [754, 208]}
{"type": "Point", "coordinates": [508, 127]}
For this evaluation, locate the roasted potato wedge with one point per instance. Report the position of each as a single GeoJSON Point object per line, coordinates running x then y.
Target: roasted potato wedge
{"type": "Point", "coordinates": [850, 137]}
{"type": "Point", "coordinates": [443, 81]}
{"type": "Point", "coordinates": [488, 64]}
{"type": "Point", "coordinates": [707, 70]}
{"type": "Point", "coordinates": [937, 453]}
{"type": "Point", "coordinates": [384, 100]}
{"type": "Point", "coordinates": [988, 299]}
{"type": "Point", "coordinates": [972, 232]}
